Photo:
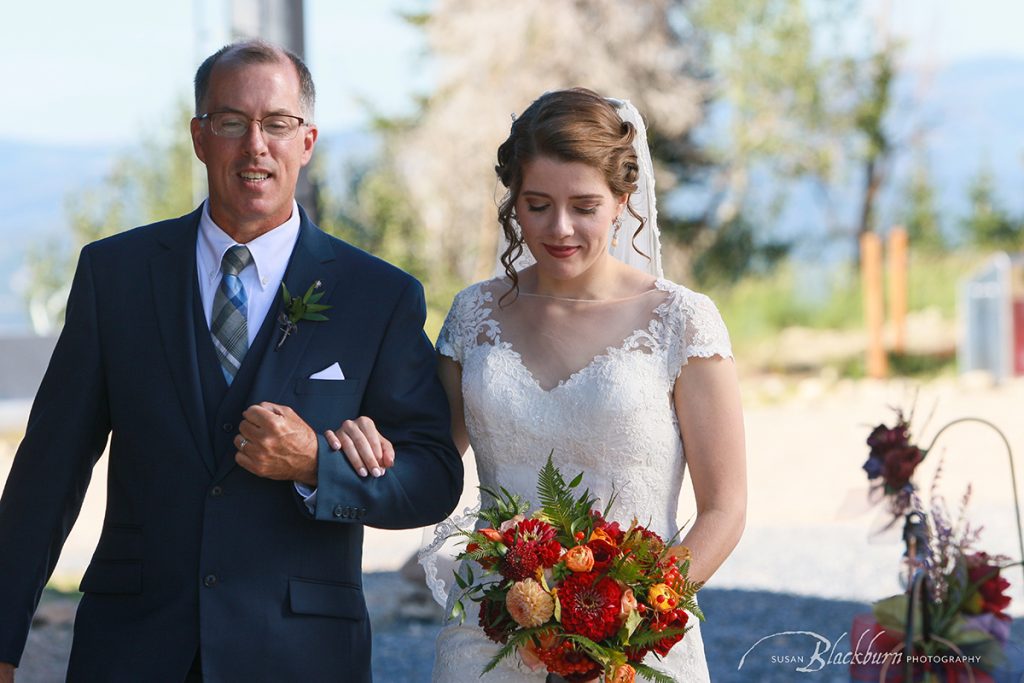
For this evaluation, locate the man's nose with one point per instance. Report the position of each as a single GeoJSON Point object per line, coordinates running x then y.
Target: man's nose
{"type": "Point", "coordinates": [254, 141]}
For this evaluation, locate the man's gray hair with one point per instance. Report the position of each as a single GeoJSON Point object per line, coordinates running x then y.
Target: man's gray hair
{"type": "Point", "coordinates": [257, 52]}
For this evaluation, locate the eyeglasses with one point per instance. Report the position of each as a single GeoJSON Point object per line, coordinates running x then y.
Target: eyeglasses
{"type": "Point", "coordinates": [230, 124]}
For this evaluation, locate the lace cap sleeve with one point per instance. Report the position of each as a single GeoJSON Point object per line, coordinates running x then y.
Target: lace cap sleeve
{"type": "Point", "coordinates": [698, 330]}
{"type": "Point", "coordinates": [450, 338]}
{"type": "Point", "coordinates": [467, 322]}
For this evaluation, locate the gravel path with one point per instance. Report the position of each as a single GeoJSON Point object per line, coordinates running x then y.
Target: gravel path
{"type": "Point", "coordinates": [403, 644]}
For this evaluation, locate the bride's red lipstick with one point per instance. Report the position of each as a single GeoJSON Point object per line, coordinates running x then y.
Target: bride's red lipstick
{"type": "Point", "coordinates": [561, 252]}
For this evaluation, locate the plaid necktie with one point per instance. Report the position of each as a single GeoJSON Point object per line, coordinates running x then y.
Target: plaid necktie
{"type": "Point", "coordinates": [228, 326]}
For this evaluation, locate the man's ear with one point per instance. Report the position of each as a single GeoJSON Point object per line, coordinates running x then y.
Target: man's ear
{"type": "Point", "coordinates": [308, 143]}
{"type": "Point", "coordinates": [196, 129]}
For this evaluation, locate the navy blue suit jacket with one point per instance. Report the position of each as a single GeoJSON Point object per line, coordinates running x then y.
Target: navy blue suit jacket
{"type": "Point", "coordinates": [196, 551]}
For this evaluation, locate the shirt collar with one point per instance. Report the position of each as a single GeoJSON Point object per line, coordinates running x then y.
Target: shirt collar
{"type": "Point", "coordinates": [270, 251]}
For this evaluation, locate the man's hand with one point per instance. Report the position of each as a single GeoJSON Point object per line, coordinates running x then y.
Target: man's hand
{"type": "Point", "coordinates": [275, 443]}
{"type": "Point", "coordinates": [366, 449]}
{"type": "Point", "coordinates": [6, 672]}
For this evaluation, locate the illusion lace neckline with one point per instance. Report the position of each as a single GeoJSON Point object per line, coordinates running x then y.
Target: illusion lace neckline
{"type": "Point", "coordinates": [611, 300]}
{"type": "Point", "coordinates": [628, 342]}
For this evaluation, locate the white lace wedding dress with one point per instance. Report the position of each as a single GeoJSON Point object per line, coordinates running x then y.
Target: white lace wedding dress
{"type": "Point", "coordinates": [593, 381]}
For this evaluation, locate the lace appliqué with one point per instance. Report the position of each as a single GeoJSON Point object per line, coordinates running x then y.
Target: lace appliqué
{"type": "Point", "coordinates": [468, 322]}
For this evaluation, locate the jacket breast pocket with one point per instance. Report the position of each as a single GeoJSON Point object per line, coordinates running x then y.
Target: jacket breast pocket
{"type": "Point", "coordinates": [326, 387]}
{"type": "Point", "coordinates": [326, 599]}
{"type": "Point", "coordinates": [326, 403]}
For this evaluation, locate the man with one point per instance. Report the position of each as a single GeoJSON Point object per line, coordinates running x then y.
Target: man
{"type": "Point", "coordinates": [231, 545]}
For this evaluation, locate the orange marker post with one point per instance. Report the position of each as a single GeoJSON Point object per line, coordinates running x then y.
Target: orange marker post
{"type": "Point", "coordinates": [874, 304]}
{"type": "Point", "coordinates": [899, 260]}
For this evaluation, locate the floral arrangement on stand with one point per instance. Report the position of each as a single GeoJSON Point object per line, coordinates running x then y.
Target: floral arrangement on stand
{"type": "Point", "coordinates": [951, 624]}
{"type": "Point", "coordinates": [568, 590]}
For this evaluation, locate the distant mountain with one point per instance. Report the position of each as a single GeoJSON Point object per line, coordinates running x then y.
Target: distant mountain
{"type": "Point", "coordinates": [972, 116]}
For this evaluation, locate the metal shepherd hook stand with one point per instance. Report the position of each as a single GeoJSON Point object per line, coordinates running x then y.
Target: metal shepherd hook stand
{"type": "Point", "coordinates": [915, 535]}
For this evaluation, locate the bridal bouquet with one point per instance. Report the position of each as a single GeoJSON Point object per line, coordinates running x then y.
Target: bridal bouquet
{"type": "Point", "coordinates": [568, 590]}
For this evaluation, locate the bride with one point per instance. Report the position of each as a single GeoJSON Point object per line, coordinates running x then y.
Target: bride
{"type": "Point", "coordinates": [582, 347]}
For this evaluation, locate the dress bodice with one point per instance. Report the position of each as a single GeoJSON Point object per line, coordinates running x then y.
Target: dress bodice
{"type": "Point", "coordinates": [613, 417]}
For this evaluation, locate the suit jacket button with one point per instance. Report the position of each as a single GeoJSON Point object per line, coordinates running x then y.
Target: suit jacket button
{"type": "Point", "coordinates": [228, 427]}
{"type": "Point", "coordinates": [209, 580]}
{"type": "Point", "coordinates": [339, 511]}
{"type": "Point", "coordinates": [216, 491]}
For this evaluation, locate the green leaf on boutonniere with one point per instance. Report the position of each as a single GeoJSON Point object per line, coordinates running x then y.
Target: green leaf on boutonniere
{"type": "Point", "coordinates": [296, 309]}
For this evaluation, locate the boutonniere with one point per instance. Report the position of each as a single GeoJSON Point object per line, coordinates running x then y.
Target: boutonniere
{"type": "Point", "coordinates": [301, 308]}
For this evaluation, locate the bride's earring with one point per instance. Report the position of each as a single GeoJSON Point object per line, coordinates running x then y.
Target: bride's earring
{"type": "Point", "coordinates": [618, 226]}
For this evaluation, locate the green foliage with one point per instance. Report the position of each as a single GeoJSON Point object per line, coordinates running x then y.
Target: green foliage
{"type": "Point", "coordinates": [506, 506]}
{"type": "Point", "coordinates": [151, 183]}
{"type": "Point", "coordinates": [651, 674]}
{"type": "Point", "coordinates": [516, 640]}
{"type": "Point", "coordinates": [304, 307]}
{"type": "Point", "coordinates": [735, 253]}
{"type": "Point", "coordinates": [376, 215]}
{"type": "Point", "coordinates": [989, 224]}
{"type": "Point", "coordinates": [919, 214]}
{"type": "Point", "coordinates": [822, 297]}
{"type": "Point", "coordinates": [559, 507]}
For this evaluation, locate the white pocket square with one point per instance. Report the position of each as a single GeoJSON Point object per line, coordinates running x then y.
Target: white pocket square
{"type": "Point", "coordinates": [331, 372]}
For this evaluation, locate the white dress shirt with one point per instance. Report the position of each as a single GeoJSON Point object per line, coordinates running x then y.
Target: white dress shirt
{"type": "Point", "coordinates": [271, 252]}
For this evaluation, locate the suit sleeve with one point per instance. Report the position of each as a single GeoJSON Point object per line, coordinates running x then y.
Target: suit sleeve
{"type": "Point", "coordinates": [406, 401]}
{"type": "Point", "coordinates": [66, 433]}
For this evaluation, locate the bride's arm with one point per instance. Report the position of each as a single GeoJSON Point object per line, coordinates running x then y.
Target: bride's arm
{"type": "Point", "coordinates": [450, 373]}
{"type": "Point", "coordinates": [707, 403]}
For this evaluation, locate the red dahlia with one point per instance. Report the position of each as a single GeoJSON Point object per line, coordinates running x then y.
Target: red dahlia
{"type": "Point", "coordinates": [495, 621]}
{"type": "Point", "coordinates": [980, 569]}
{"type": "Point", "coordinates": [531, 544]}
{"type": "Point", "coordinates": [590, 605]}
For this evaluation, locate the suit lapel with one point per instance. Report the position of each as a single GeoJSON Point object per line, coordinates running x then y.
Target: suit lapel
{"type": "Point", "coordinates": [173, 274]}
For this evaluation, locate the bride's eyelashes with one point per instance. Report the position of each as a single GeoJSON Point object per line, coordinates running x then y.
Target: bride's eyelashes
{"type": "Point", "coordinates": [587, 210]}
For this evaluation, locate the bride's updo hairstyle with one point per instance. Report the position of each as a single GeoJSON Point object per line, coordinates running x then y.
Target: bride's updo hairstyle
{"type": "Point", "coordinates": [568, 125]}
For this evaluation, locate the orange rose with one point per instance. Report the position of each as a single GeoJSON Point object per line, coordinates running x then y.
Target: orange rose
{"type": "Point", "coordinates": [604, 548]}
{"type": "Point", "coordinates": [602, 535]}
{"type": "Point", "coordinates": [662, 598]}
{"type": "Point", "coordinates": [623, 673]}
{"type": "Point", "coordinates": [491, 534]}
{"type": "Point", "coordinates": [528, 653]}
{"type": "Point", "coordinates": [627, 604]}
{"type": "Point", "coordinates": [579, 558]}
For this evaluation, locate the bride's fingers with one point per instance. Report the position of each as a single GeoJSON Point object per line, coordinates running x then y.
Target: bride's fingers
{"type": "Point", "coordinates": [387, 453]}
{"type": "Point", "coordinates": [365, 443]}
{"type": "Point", "coordinates": [344, 444]}
{"type": "Point", "coordinates": [332, 440]}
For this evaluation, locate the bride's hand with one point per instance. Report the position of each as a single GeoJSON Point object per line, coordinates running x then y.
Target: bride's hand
{"type": "Point", "coordinates": [366, 449]}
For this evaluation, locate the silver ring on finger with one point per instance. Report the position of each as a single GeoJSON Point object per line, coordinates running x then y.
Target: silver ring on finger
{"type": "Point", "coordinates": [242, 443]}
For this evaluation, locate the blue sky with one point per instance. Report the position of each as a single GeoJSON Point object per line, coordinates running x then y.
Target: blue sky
{"type": "Point", "coordinates": [103, 71]}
